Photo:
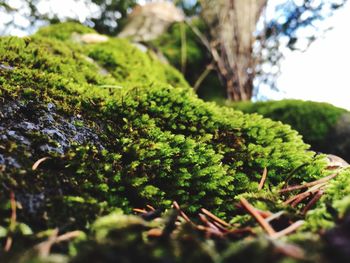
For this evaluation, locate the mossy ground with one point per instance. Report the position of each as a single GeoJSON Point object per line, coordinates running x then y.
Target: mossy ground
{"type": "Point", "coordinates": [134, 135]}
{"type": "Point", "coordinates": [313, 120]}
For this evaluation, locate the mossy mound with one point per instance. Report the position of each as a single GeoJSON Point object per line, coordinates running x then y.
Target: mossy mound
{"type": "Point", "coordinates": [318, 123]}
{"type": "Point", "coordinates": [77, 143]}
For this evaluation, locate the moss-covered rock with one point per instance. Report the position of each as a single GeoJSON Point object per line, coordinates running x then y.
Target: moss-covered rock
{"type": "Point", "coordinates": [322, 125]}
{"type": "Point", "coordinates": [76, 144]}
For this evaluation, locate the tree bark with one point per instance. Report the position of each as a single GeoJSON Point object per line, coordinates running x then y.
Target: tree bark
{"type": "Point", "coordinates": [232, 25]}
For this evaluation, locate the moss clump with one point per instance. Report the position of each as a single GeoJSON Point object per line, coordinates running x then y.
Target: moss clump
{"type": "Point", "coordinates": [125, 139]}
{"type": "Point", "coordinates": [64, 31]}
{"type": "Point", "coordinates": [313, 120]}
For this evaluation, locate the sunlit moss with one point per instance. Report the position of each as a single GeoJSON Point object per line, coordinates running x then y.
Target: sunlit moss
{"type": "Point", "coordinates": [134, 135]}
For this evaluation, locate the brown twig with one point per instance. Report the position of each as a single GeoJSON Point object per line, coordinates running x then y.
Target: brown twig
{"type": "Point", "coordinates": [68, 236]}
{"type": "Point", "coordinates": [44, 247]}
{"type": "Point", "coordinates": [263, 179]}
{"type": "Point", "coordinates": [210, 231]}
{"type": "Point", "coordinates": [306, 185]}
{"type": "Point", "coordinates": [182, 214]}
{"type": "Point", "coordinates": [214, 217]}
{"type": "Point", "coordinates": [313, 201]}
{"type": "Point", "coordinates": [288, 230]}
{"type": "Point", "coordinates": [13, 220]}
{"type": "Point", "coordinates": [265, 225]}
{"type": "Point", "coordinates": [155, 232]}
{"type": "Point", "coordinates": [300, 197]}
{"type": "Point", "coordinates": [241, 231]}
{"type": "Point", "coordinates": [203, 218]}
{"type": "Point", "coordinates": [274, 216]}
{"type": "Point", "coordinates": [202, 77]}
{"type": "Point", "coordinates": [150, 207]}
{"type": "Point", "coordinates": [139, 210]}
{"type": "Point", "coordinates": [222, 228]}
{"type": "Point", "coordinates": [264, 214]}
{"type": "Point", "coordinates": [290, 250]}
{"type": "Point", "coordinates": [38, 162]}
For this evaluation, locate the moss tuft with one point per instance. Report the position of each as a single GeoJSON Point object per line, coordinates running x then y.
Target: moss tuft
{"type": "Point", "coordinates": [313, 120]}
{"type": "Point", "coordinates": [133, 136]}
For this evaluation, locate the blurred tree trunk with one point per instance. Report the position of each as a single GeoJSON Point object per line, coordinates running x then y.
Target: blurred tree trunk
{"type": "Point", "coordinates": [232, 24]}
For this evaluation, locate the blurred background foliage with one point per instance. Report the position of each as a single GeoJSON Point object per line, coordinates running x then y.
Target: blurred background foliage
{"type": "Point", "coordinates": [291, 24]}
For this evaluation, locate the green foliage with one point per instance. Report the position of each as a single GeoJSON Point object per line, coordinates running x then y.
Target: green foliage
{"type": "Point", "coordinates": [152, 133]}
{"type": "Point", "coordinates": [125, 139]}
{"type": "Point", "coordinates": [63, 31]}
{"type": "Point", "coordinates": [313, 120]}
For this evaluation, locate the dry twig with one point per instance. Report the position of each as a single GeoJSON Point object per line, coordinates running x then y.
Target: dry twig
{"type": "Point", "coordinates": [300, 197]}
{"type": "Point", "coordinates": [306, 185]}
{"type": "Point", "coordinates": [313, 201]}
{"type": "Point", "coordinates": [13, 220]}
{"type": "Point", "coordinates": [38, 162]}
{"type": "Point", "coordinates": [214, 217]}
{"type": "Point", "coordinates": [265, 225]}
{"type": "Point", "coordinates": [263, 179]}
{"type": "Point", "coordinates": [183, 215]}
{"type": "Point", "coordinates": [288, 230]}
{"type": "Point", "coordinates": [150, 207]}
{"type": "Point", "coordinates": [139, 210]}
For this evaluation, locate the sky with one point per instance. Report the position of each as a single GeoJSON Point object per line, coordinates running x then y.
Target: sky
{"type": "Point", "coordinates": [322, 73]}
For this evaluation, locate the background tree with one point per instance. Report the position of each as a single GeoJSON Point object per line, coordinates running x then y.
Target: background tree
{"type": "Point", "coordinates": [107, 17]}
{"type": "Point", "coordinates": [242, 39]}
{"type": "Point", "coordinates": [243, 42]}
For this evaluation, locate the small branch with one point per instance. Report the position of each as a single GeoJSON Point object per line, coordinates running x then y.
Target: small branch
{"type": "Point", "coordinates": [264, 214]}
{"type": "Point", "coordinates": [202, 77]}
{"type": "Point", "coordinates": [220, 227]}
{"type": "Point", "coordinates": [300, 197]}
{"type": "Point", "coordinates": [306, 185]}
{"type": "Point", "coordinates": [183, 48]}
{"type": "Point", "coordinates": [265, 225]}
{"type": "Point", "coordinates": [150, 207]}
{"type": "Point", "coordinates": [155, 232]}
{"type": "Point", "coordinates": [288, 230]}
{"type": "Point", "coordinates": [68, 236]}
{"type": "Point", "coordinates": [214, 217]}
{"type": "Point", "coordinates": [13, 220]}
{"type": "Point", "coordinates": [177, 207]}
{"type": "Point", "coordinates": [274, 216]}
{"type": "Point", "coordinates": [313, 201]}
{"type": "Point", "coordinates": [38, 162]}
{"type": "Point", "coordinates": [139, 210]}
{"type": "Point", "coordinates": [263, 179]}
{"type": "Point", "coordinates": [44, 247]}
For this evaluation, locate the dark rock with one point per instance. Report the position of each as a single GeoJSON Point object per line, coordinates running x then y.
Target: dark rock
{"type": "Point", "coordinates": [39, 129]}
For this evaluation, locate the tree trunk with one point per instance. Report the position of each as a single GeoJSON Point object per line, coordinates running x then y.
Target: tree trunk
{"type": "Point", "coordinates": [232, 24]}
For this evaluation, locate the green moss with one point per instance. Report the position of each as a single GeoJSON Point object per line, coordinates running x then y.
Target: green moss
{"type": "Point", "coordinates": [334, 205]}
{"type": "Point", "coordinates": [64, 31]}
{"type": "Point", "coordinates": [128, 139]}
{"type": "Point", "coordinates": [313, 120]}
{"type": "Point", "coordinates": [158, 132]}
